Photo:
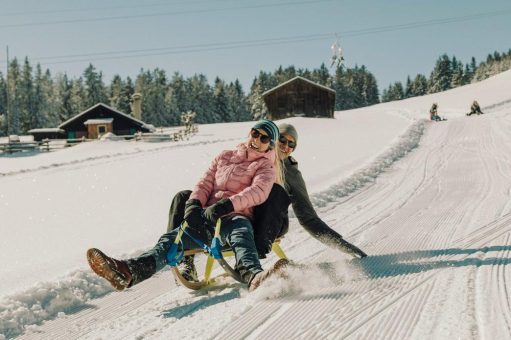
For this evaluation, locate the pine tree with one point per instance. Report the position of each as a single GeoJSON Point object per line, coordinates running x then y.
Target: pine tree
{"type": "Point", "coordinates": [441, 76]}
{"type": "Point", "coordinates": [3, 105]}
{"type": "Point", "coordinates": [64, 88]}
{"type": "Point", "coordinates": [238, 102]}
{"type": "Point", "coordinates": [41, 99]}
{"type": "Point", "coordinates": [174, 118]}
{"type": "Point", "coordinates": [120, 93]}
{"type": "Point", "coordinates": [341, 92]}
{"type": "Point", "coordinates": [181, 92]}
{"type": "Point", "coordinates": [78, 100]}
{"type": "Point", "coordinates": [322, 76]}
{"type": "Point", "coordinates": [26, 95]}
{"type": "Point", "coordinates": [473, 66]}
{"type": "Point", "coordinates": [419, 85]}
{"type": "Point", "coordinates": [457, 73]}
{"type": "Point", "coordinates": [153, 86]}
{"type": "Point", "coordinates": [127, 92]}
{"type": "Point", "coordinates": [116, 92]}
{"type": "Point", "coordinates": [221, 104]}
{"type": "Point", "coordinates": [373, 95]}
{"type": "Point", "coordinates": [467, 75]}
{"type": "Point", "coordinates": [95, 91]}
{"type": "Point", "coordinates": [394, 92]}
{"type": "Point", "coordinates": [200, 99]}
{"type": "Point", "coordinates": [408, 88]}
{"type": "Point", "coordinates": [260, 84]}
{"type": "Point", "coordinates": [14, 100]}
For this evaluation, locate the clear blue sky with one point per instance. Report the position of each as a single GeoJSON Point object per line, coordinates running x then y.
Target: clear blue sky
{"type": "Point", "coordinates": [233, 39]}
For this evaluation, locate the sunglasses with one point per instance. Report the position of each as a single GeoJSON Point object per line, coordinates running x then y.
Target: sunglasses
{"type": "Point", "coordinates": [285, 141]}
{"type": "Point", "coordinates": [263, 138]}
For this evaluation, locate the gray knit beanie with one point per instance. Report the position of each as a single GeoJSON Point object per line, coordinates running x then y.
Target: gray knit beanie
{"type": "Point", "coordinates": [290, 130]}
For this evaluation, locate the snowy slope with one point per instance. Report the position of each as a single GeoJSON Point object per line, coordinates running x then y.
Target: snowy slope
{"type": "Point", "coordinates": [435, 220]}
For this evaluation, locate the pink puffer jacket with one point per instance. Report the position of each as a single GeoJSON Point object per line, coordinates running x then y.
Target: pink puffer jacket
{"type": "Point", "coordinates": [245, 176]}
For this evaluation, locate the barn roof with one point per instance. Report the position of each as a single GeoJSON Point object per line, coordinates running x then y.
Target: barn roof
{"type": "Point", "coordinates": [46, 130]}
{"type": "Point", "coordinates": [138, 122]}
{"type": "Point", "coordinates": [295, 79]}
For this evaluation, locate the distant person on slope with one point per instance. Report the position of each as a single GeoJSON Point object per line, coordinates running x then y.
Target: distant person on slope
{"type": "Point", "coordinates": [235, 182]}
{"type": "Point", "coordinates": [433, 113]}
{"type": "Point", "coordinates": [269, 223]}
{"type": "Point", "coordinates": [475, 109]}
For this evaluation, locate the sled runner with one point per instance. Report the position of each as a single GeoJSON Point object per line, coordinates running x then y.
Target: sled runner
{"type": "Point", "coordinates": [215, 252]}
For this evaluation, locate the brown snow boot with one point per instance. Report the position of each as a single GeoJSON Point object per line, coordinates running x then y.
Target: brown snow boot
{"type": "Point", "coordinates": [258, 278]}
{"type": "Point", "coordinates": [114, 271]}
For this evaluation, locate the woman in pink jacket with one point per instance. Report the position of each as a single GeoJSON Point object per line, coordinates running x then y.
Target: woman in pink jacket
{"type": "Point", "coordinates": [236, 181]}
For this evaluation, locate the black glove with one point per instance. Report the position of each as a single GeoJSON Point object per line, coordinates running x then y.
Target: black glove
{"type": "Point", "coordinates": [193, 213]}
{"type": "Point", "coordinates": [217, 210]}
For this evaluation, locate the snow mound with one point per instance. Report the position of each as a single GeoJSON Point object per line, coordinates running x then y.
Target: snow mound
{"type": "Point", "coordinates": [47, 300]}
{"type": "Point", "coordinates": [406, 143]}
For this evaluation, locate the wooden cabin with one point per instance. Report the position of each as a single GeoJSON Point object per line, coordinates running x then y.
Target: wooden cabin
{"type": "Point", "coordinates": [100, 119]}
{"type": "Point", "coordinates": [299, 97]}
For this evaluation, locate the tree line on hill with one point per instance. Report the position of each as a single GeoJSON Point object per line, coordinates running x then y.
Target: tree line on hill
{"type": "Point", "coordinates": [34, 98]}
{"type": "Point", "coordinates": [447, 74]}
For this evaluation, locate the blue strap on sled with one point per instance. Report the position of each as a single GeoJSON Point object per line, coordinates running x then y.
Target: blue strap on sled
{"type": "Point", "coordinates": [174, 256]}
{"type": "Point", "coordinates": [216, 245]}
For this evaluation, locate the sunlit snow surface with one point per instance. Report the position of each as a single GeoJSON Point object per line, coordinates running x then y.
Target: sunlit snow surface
{"type": "Point", "coordinates": [430, 202]}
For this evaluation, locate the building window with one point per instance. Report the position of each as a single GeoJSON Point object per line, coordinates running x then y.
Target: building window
{"type": "Point", "coordinates": [101, 129]}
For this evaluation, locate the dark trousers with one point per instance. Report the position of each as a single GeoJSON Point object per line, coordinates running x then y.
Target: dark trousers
{"type": "Point", "coordinates": [236, 233]}
{"type": "Point", "coordinates": [270, 218]}
{"type": "Point", "coordinates": [177, 209]}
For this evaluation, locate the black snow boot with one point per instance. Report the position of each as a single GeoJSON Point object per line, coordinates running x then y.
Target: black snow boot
{"type": "Point", "coordinates": [141, 269]}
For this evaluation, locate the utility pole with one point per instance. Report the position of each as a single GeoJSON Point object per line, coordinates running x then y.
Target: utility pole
{"type": "Point", "coordinates": [7, 114]}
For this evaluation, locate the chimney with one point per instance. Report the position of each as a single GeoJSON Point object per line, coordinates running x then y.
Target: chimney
{"type": "Point", "coordinates": [136, 105]}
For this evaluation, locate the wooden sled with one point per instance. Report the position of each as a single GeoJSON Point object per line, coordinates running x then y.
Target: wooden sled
{"type": "Point", "coordinates": [218, 255]}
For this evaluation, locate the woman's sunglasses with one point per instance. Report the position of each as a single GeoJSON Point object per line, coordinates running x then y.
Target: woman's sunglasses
{"type": "Point", "coordinates": [263, 138]}
{"type": "Point", "coordinates": [285, 141]}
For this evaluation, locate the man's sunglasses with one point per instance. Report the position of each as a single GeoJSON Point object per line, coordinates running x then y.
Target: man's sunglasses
{"type": "Point", "coordinates": [263, 138]}
{"type": "Point", "coordinates": [285, 141]}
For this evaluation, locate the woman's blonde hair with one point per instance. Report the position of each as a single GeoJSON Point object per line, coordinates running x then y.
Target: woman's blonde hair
{"type": "Point", "coordinates": [279, 169]}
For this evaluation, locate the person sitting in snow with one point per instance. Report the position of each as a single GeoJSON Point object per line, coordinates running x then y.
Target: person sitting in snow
{"type": "Point", "coordinates": [236, 181]}
{"type": "Point", "coordinates": [433, 113]}
{"type": "Point", "coordinates": [269, 223]}
{"type": "Point", "coordinates": [475, 109]}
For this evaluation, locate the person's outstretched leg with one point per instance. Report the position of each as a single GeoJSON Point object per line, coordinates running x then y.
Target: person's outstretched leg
{"type": "Point", "coordinates": [121, 273]}
{"type": "Point", "coordinates": [126, 273]}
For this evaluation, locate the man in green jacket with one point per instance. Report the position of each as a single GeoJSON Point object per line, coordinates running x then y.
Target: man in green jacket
{"type": "Point", "coordinates": [300, 201]}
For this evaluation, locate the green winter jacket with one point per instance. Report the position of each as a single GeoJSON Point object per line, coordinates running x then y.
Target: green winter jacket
{"type": "Point", "coordinates": [302, 206]}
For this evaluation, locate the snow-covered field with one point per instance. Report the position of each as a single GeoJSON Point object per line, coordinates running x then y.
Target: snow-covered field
{"type": "Point", "coordinates": [430, 202]}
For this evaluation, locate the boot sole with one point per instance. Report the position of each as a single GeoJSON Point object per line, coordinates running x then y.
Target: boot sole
{"type": "Point", "coordinates": [277, 269]}
{"type": "Point", "coordinates": [99, 264]}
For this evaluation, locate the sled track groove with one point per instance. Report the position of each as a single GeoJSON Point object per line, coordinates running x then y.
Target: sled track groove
{"type": "Point", "coordinates": [497, 232]}
{"type": "Point", "coordinates": [251, 320]}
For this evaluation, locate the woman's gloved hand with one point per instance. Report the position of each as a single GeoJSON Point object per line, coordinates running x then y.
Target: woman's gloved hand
{"type": "Point", "coordinates": [217, 210]}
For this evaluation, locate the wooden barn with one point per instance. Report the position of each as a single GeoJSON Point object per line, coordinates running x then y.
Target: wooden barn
{"type": "Point", "coordinates": [299, 97]}
{"type": "Point", "coordinates": [100, 119]}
